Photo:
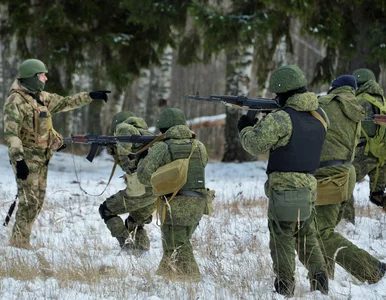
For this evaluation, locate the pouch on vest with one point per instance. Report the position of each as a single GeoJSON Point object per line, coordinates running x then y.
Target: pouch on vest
{"type": "Point", "coordinates": [133, 187]}
{"type": "Point", "coordinates": [333, 189]}
{"type": "Point", "coordinates": [290, 205]}
{"type": "Point", "coordinates": [171, 177]}
{"type": "Point", "coordinates": [210, 194]}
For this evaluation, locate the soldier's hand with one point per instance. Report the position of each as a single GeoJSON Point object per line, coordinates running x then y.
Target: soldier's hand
{"type": "Point", "coordinates": [244, 121]}
{"type": "Point", "coordinates": [22, 170]}
{"type": "Point", "coordinates": [99, 95]}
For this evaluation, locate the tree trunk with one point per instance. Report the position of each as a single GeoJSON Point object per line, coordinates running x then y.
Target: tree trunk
{"type": "Point", "coordinates": [239, 63]}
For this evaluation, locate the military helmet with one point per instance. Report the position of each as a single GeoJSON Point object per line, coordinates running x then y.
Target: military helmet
{"type": "Point", "coordinates": [170, 117]}
{"type": "Point", "coordinates": [363, 75]}
{"type": "Point", "coordinates": [31, 67]}
{"type": "Point", "coordinates": [119, 118]}
{"type": "Point", "coordinates": [287, 78]}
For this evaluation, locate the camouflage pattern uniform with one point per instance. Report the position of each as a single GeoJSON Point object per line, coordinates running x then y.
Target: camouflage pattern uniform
{"type": "Point", "coordinates": [139, 203]}
{"type": "Point", "coordinates": [34, 145]}
{"type": "Point", "coordinates": [366, 164]}
{"type": "Point", "coordinates": [185, 211]}
{"type": "Point", "coordinates": [345, 114]}
{"type": "Point", "coordinates": [274, 132]}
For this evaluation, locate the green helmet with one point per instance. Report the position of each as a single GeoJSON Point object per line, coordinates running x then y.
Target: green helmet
{"type": "Point", "coordinates": [119, 118]}
{"type": "Point", "coordinates": [363, 75]}
{"type": "Point", "coordinates": [287, 78]}
{"type": "Point", "coordinates": [170, 117]}
{"type": "Point", "coordinates": [31, 67]}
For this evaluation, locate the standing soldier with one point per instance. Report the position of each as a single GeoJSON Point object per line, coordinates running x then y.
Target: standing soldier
{"type": "Point", "coordinates": [294, 136]}
{"type": "Point", "coordinates": [136, 199]}
{"type": "Point", "coordinates": [336, 181]}
{"type": "Point", "coordinates": [179, 215]}
{"type": "Point", "coordinates": [32, 140]}
{"type": "Point", "coordinates": [371, 153]}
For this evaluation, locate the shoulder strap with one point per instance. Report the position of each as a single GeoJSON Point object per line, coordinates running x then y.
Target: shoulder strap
{"type": "Point", "coordinates": [375, 102]}
{"type": "Point", "coordinates": [315, 114]}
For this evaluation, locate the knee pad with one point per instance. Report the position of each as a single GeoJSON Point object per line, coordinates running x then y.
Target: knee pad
{"type": "Point", "coordinates": [105, 213]}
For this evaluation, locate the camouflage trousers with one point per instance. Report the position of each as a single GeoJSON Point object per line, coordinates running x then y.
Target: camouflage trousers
{"type": "Point", "coordinates": [140, 211]}
{"type": "Point", "coordinates": [31, 194]}
{"type": "Point", "coordinates": [182, 218]}
{"type": "Point", "coordinates": [354, 260]}
{"type": "Point", "coordinates": [285, 238]}
{"type": "Point", "coordinates": [367, 165]}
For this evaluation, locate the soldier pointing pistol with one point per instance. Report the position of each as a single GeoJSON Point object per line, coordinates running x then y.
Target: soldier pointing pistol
{"type": "Point", "coordinates": [32, 139]}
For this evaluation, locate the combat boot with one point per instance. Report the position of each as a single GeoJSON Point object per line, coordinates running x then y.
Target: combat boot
{"type": "Point", "coordinates": [319, 283]}
{"type": "Point", "coordinates": [285, 287]}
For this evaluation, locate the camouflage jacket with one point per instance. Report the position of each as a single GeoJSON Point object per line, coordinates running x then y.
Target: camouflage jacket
{"type": "Point", "coordinates": [159, 154]}
{"type": "Point", "coordinates": [345, 114]}
{"type": "Point", "coordinates": [125, 151]}
{"type": "Point", "coordinates": [275, 131]}
{"type": "Point", "coordinates": [20, 114]}
{"type": "Point", "coordinates": [375, 90]}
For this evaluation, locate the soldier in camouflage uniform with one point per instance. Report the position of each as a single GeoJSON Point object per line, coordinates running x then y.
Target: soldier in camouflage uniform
{"type": "Point", "coordinates": [366, 162]}
{"type": "Point", "coordinates": [32, 140]}
{"type": "Point", "coordinates": [185, 210]}
{"type": "Point", "coordinates": [345, 115]}
{"type": "Point", "coordinates": [136, 199]}
{"type": "Point", "coordinates": [294, 135]}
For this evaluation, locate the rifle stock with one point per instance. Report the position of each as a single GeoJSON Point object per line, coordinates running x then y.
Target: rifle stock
{"type": "Point", "coordinates": [104, 140]}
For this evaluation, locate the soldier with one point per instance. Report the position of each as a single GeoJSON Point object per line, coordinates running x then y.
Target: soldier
{"type": "Point", "coordinates": [32, 140]}
{"type": "Point", "coordinates": [294, 136]}
{"type": "Point", "coordinates": [370, 153]}
{"type": "Point", "coordinates": [180, 215]}
{"type": "Point", "coordinates": [136, 199]}
{"type": "Point", "coordinates": [336, 181]}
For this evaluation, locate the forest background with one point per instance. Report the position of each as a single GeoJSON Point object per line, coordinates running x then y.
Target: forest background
{"type": "Point", "coordinates": [169, 48]}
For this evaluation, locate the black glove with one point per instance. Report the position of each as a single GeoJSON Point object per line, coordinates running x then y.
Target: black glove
{"type": "Point", "coordinates": [244, 121]}
{"type": "Point", "coordinates": [22, 170]}
{"type": "Point", "coordinates": [99, 95]}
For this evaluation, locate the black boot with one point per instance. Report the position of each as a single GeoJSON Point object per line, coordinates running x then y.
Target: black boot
{"type": "Point", "coordinates": [319, 283]}
{"type": "Point", "coordinates": [285, 287]}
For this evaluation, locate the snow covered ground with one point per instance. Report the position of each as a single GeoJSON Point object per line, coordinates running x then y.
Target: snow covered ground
{"type": "Point", "coordinates": [75, 257]}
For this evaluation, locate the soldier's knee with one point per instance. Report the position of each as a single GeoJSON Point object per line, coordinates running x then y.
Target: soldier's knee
{"type": "Point", "coordinates": [105, 213]}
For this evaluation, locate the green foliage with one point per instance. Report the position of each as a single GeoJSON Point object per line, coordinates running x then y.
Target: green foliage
{"type": "Point", "coordinates": [111, 38]}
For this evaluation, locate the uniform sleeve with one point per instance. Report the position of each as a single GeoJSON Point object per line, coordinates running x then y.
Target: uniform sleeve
{"type": "Point", "coordinates": [13, 119]}
{"type": "Point", "coordinates": [271, 132]}
{"type": "Point", "coordinates": [158, 156]}
{"type": "Point", "coordinates": [57, 103]}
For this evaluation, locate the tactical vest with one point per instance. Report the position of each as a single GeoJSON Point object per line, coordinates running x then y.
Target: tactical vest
{"type": "Point", "coordinates": [42, 135]}
{"type": "Point", "coordinates": [303, 151]}
{"type": "Point", "coordinates": [196, 170]}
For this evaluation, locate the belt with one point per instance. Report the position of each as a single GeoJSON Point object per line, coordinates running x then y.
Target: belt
{"type": "Point", "coordinates": [337, 162]}
{"type": "Point", "coordinates": [187, 193]}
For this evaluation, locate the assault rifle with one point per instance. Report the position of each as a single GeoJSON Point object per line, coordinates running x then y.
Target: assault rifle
{"type": "Point", "coordinates": [241, 102]}
{"type": "Point", "coordinates": [105, 140]}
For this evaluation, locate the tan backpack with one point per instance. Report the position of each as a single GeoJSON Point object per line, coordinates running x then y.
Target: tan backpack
{"type": "Point", "coordinates": [170, 178]}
